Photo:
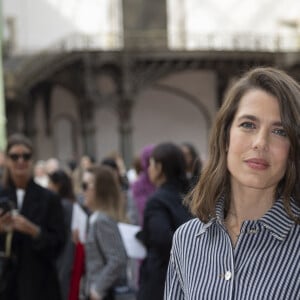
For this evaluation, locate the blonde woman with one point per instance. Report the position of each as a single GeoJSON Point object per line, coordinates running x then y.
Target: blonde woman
{"type": "Point", "coordinates": [105, 253]}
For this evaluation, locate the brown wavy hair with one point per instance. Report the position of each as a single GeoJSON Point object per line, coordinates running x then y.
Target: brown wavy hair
{"type": "Point", "coordinates": [108, 194]}
{"type": "Point", "coordinates": [215, 178]}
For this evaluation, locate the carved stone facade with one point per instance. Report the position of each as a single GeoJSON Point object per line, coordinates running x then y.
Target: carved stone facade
{"type": "Point", "coordinates": [95, 102]}
{"type": "Point", "coordinates": [84, 94]}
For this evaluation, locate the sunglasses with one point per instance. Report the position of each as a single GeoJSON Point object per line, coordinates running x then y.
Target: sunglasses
{"type": "Point", "coordinates": [16, 157]}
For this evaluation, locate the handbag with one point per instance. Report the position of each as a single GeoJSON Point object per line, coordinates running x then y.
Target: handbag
{"type": "Point", "coordinates": [124, 292]}
{"type": "Point", "coordinates": [7, 263]}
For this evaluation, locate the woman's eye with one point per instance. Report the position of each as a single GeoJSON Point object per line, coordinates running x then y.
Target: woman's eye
{"type": "Point", "coordinates": [247, 125]}
{"type": "Point", "coordinates": [280, 131]}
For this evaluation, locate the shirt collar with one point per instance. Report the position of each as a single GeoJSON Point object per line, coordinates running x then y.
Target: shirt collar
{"type": "Point", "coordinates": [220, 205]}
{"type": "Point", "coordinates": [217, 218]}
{"type": "Point", "coordinates": [276, 220]}
{"type": "Point", "coordinates": [93, 217]}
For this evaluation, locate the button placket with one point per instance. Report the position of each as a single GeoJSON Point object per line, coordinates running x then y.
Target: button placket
{"type": "Point", "coordinates": [253, 231]}
{"type": "Point", "coordinates": [227, 275]}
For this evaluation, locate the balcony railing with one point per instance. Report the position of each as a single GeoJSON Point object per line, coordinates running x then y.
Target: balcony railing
{"type": "Point", "coordinates": [157, 40]}
{"type": "Point", "coordinates": [243, 42]}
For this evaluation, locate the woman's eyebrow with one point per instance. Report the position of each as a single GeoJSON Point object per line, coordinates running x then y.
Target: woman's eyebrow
{"type": "Point", "coordinates": [254, 118]}
{"type": "Point", "coordinates": [249, 117]}
{"type": "Point", "coordinates": [277, 123]}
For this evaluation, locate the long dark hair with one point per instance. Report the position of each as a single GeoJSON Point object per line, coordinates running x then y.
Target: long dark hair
{"type": "Point", "coordinates": [172, 161]}
{"type": "Point", "coordinates": [196, 162]}
{"type": "Point", "coordinates": [64, 184]}
{"type": "Point", "coordinates": [214, 181]}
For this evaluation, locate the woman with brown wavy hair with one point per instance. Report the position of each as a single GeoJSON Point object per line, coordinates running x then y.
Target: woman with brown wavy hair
{"type": "Point", "coordinates": [242, 245]}
{"type": "Point", "coordinates": [106, 258]}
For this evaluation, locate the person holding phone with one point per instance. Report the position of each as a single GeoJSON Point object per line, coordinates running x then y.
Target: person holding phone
{"type": "Point", "coordinates": [5, 205]}
{"type": "Point", "coordinates": [36, 221]}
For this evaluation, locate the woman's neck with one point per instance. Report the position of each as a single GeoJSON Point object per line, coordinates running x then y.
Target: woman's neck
{"type": "Point", "coordinates": [20, 182]}
{"type": "Point", "coordinates": [246, 204]}
{"type": "Point", "coordinates": [249, 204]}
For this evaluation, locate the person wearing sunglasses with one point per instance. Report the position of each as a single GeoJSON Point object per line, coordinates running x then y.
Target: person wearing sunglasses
{"type": "Point", "coordinates": [36, 221]}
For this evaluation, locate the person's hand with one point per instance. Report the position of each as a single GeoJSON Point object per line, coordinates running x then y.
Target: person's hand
{"type": "Point", "coordinates": [22, 224]}
{"type": "Point", "coordinates": [6, 222]}
{"type": "Point", "coordinates": [121, 166]}
{"type": "Point", "coordinates": [94, 295]}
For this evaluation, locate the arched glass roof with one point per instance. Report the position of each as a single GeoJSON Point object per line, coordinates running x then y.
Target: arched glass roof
{"type": "Point", "coordinates": [246, 24]}
{"type": "Point", "coordinates": [192, 24]}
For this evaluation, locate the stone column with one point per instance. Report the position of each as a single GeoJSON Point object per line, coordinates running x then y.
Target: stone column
{"type": "Point", "coordinates": [88, 127]}
{"type": "Point", "coordinates": [222, 85]}
{"type": "Point", "coordinates": [42, 91]}
{"type": "Point", "coordinates": [145, 23]}
{"type": "Point", "coordinates": [125, 127]}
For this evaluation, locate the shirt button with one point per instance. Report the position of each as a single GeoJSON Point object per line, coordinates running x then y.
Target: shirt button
{"type": "Point", "coordinates": [228, 275]}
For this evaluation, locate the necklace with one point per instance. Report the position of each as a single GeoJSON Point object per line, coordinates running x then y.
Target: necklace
{"type": "Point", "coordinates": [231, 231]}
{"type": "Point", "coordinates": [236, 235]}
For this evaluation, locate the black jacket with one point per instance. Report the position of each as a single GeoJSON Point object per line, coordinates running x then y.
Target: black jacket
{"type": "Point", "coordinates": [36, 275]}
{"type": "Point", "coordinates": [164, 213]}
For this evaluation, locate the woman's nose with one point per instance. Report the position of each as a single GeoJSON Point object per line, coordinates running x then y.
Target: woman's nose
{"type": "Point", "coordinates": [261, 140]}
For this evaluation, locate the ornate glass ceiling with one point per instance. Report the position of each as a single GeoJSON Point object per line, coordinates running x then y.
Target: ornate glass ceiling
{"type": "Point", "coordinates": [231, 23]}
{"type": "Point", "coordinates": [192, 24]}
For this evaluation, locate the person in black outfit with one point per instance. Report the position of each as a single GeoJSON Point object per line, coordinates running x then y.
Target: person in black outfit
{"type": "Point", "coordinates": [164, 213]}
{"type": "Point", "coordinates": [36, 224]}
{"type": "Point", "coordinates": [61, 183]}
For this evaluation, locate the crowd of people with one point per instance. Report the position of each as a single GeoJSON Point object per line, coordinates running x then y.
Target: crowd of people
{"type": "Point", "coordinates": [63, 221]}
{"type": "Point", "coordinates": [221, 229]}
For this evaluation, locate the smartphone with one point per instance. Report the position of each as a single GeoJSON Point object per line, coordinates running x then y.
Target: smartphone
{"type": "Point", "coordinates": [5, 205]}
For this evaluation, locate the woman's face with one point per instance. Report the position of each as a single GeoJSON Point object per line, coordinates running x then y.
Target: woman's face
{"type": "Point", "coordinates": [258, 146]}
{"type": "Point", "coordinates": [188, 157]}
{"type": "Point", "coordinates": [154, 172]}
{"type": "Point", "coordinates": [19, 162]}
{"type": "Point", "coordinates": [53, 186]}
{"type": "Point", "coordinates": [89, 190]}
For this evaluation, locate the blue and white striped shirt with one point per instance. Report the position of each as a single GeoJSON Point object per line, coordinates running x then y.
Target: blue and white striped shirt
{"type": "Point", "coordinates": [265, 263]}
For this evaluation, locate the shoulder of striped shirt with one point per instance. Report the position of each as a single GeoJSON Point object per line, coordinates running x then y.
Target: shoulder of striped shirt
{"type": "Point", "coordinates": [194, 225]}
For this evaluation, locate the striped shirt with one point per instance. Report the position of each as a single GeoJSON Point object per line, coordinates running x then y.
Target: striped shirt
{"type": "Point", "coordinates": [265, 263]}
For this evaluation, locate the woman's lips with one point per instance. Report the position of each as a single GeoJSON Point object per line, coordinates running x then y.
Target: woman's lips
{"type": "Point", "coordinates": [257, 163]}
